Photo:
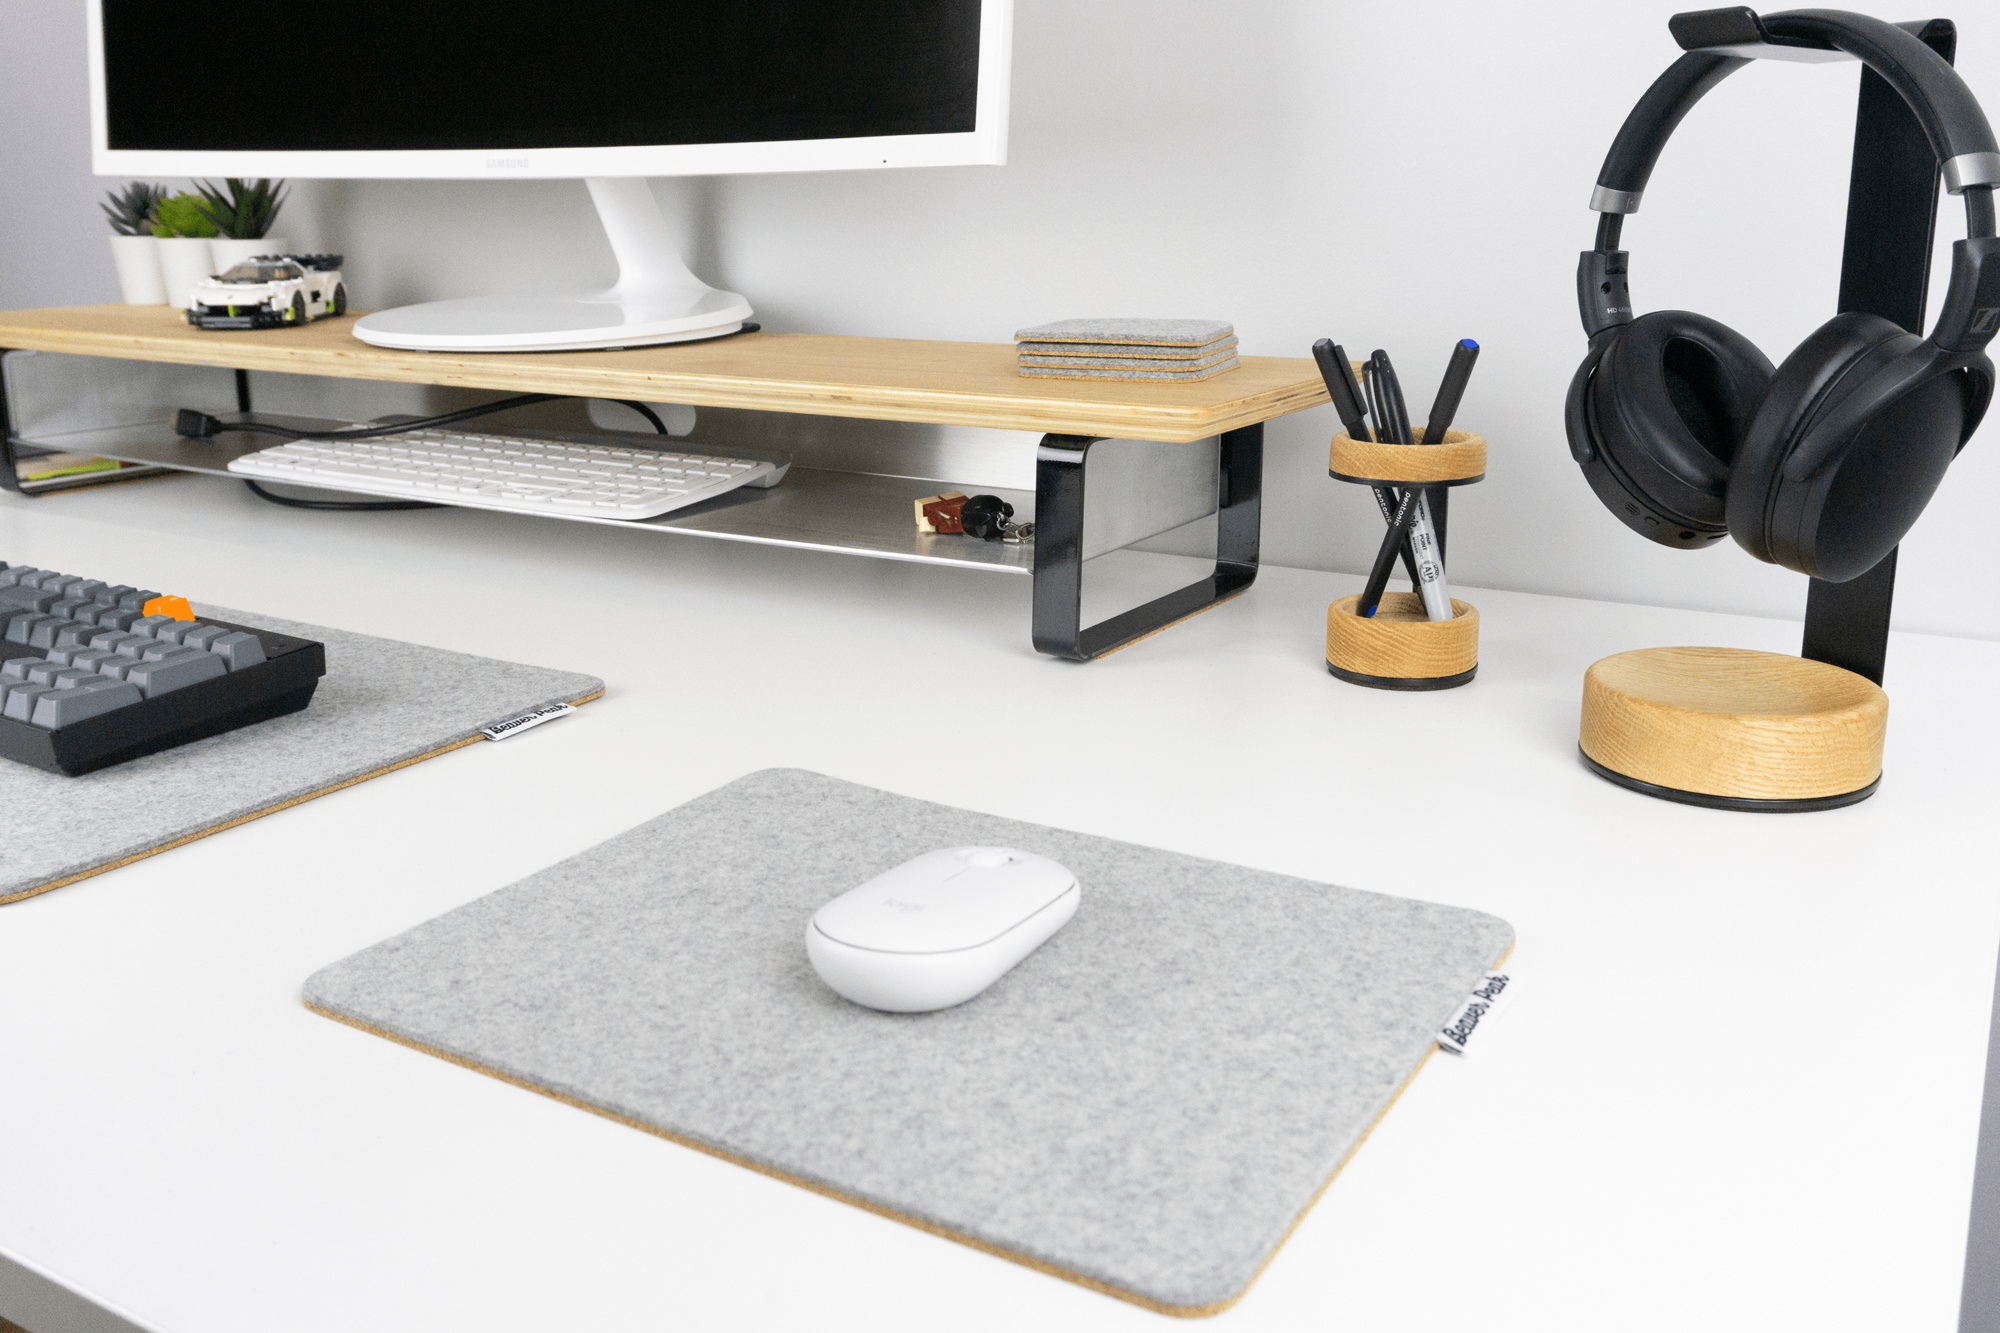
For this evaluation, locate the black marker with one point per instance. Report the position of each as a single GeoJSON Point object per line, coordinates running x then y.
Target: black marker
{"type": "Point", "coordinates": [1385, 558]}
{"type": "Point", "coordinates": [1391, 389]}
{"type": "Point", "coordinates": [1340, 386]}
{"type": "Point", "coordinates": [1451, 390]}
{"type": "Point", "coordinates": [1338, 372]}
{"type": "Point", "coordinates": [1376, 407]}
{"type": "Point", "coordinates": [1431, 585]}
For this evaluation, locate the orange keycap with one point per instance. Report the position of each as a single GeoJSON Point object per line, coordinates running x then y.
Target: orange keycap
{"type": "Point", "coordinates": [177, 607]}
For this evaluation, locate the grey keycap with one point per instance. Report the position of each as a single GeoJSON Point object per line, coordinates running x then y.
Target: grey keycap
{"type": "Point", "coordinates": [150, 626]}
{"type": "Point", "coordinates": [178, 631]}
{"type": "Point", "coordinates": [116, 667]}
{"type": "Point", "coordinates": [70, 677]}
{"type": "Point", "coordinates": [109, 596]}
{"type": "Point", "coordinates": [43, 672]}
{"type": "Point", "coordinates": [202, 636]}
{"type": "Point", "coordinates": [136, 601]}
{"type": "Point", "coordinates": [84, 590]}
{"type": "Point", "coordinates": [31, 598]}
{"type": "Point", "coordinates": [116, 618]}
{"type": "Point", "coordinates": [14, 574]}
{"type": "Point", "coordinates": [74, 635]}
{"type": "Point", "coordinates": [188, 667]}
{"type": "Point", "coordinates": [238, 649]}
{"type": "Point", "coordinates": [90, 699]}
{"type": "Point", "coordinates": [72, 609]}
{"type": "Point", "coordinates": [21, 627]}
{"type": "Point", "coordinates": [61, 583]}
{"type": "Point", "coordinates": [21, 701]}
{"type": "Point", "coordinates": [126, 645]}
{"type": "Point", "coordinates": [16, 668]}
{"type": "Point", "coordinates": [157, 651]}
{"type": "Point", "coordinates": [90, 659]}
{"type": "Point", "coordinates": [50, 631]}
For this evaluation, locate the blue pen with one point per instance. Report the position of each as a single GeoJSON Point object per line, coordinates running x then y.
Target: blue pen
{"type": "Point", "coordinates": [1451, 390]}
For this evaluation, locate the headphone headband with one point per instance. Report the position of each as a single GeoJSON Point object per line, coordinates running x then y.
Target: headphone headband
{"type": "Point", "coordinates": [1722, 41]}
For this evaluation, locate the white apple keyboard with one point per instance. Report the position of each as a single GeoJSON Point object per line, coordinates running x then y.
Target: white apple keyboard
{"type": "Point", "coordinates": [938, 930]}
{"type": "Point", "coordinates": [518, 473]}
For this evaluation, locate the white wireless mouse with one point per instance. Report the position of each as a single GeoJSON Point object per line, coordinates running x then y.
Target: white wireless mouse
{"type": "Point", "coordinates": [936, 931]}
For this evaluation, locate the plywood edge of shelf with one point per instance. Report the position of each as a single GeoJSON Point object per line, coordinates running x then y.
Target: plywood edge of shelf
{"type": "Point", "coordinates": [938, 383]}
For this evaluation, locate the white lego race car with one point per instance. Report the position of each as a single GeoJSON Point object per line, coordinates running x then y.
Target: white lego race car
{"type": "Point", "coordinates": [270, 291]}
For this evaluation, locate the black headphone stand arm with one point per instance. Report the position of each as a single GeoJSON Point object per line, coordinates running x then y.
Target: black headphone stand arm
{"type": "Point", "coordinates": [1884, 270]}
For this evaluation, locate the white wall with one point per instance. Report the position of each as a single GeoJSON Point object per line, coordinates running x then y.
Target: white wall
{"type": "Point", "coordinates": [1394, 176]}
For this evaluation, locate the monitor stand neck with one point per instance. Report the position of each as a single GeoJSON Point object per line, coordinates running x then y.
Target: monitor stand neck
{"type": "Point", "coordinates": [655, 299]}
{"type": "Point", "coordinates": [648, 260]}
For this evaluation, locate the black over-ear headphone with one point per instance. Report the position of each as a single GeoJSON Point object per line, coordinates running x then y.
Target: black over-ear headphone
{"type": "Point", "coordinates": [1686, 431]}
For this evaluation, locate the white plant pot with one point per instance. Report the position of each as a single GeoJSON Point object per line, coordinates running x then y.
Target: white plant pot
{"type": "Point", "coordinates": [184, 261]}
{"type": "Point", "coordinates": [227, 252]}
{"type": "Point", "coordinates": [138, 264]}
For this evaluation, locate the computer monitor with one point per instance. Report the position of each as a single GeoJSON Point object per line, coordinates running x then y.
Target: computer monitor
{"type": "Point", "coordinates": [609, 90]}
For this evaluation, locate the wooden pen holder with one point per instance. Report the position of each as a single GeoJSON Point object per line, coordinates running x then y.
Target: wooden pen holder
{"type": "Point", "coordinates": [1399, 647]}
{"type": "Point", "coordinates": [1459, 461]}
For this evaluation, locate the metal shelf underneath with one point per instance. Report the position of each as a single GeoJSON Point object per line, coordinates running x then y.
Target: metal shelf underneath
{"type": "Point", "coordinates": [812, 508]}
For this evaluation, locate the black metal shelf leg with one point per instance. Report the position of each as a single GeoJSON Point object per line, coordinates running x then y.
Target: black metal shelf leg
{"type": "Point", "coordinates": [1058, 617]}
{"type": "Point", "coordinates": [10, 471]}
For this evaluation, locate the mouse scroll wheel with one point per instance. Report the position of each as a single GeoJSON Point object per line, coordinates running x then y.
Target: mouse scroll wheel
{"type": "Point", "coordinates": [986, 857]}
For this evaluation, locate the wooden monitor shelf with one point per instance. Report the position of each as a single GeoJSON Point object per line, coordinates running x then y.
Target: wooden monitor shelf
{"type": "Point", "coordinates": [881, 379]}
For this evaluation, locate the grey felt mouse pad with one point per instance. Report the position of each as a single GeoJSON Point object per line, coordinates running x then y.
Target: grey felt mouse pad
{"type": "Point", "coordinates": [1145, 1105]}
{"type": "Point", "coordinates": [381, 704]}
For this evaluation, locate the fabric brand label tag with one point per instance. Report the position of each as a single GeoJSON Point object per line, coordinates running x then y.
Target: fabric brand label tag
{"type": "Point", "coordinates": [514, 726]}
{"type": "Point", "coordinates": [1458, 1030]}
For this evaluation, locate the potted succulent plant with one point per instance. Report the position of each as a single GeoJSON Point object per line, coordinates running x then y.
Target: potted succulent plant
{"type": "Point", "coordinates": [182, 234]}
{"type": "Point", "coordinates": [242, 211]}
{"type": "Point", "coordinates": [132, 248]}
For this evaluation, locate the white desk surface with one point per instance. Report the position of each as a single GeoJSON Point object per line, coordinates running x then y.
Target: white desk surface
{"type": "Point", "coordinates": [1738, 1086]}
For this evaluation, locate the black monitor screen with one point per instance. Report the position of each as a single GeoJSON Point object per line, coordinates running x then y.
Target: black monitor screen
{"type": "Point", "coordinates": [359, 75]}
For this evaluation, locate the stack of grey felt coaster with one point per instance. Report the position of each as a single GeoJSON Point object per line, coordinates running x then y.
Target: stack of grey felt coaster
{"type": "Point", "coordinates": [1127, 349]}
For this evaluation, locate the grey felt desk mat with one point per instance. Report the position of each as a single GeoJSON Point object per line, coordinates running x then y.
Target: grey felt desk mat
{"type": "Point", "coordinates": [1146, 1105]}
{"type": "Point", "coordinates": [381, 704]}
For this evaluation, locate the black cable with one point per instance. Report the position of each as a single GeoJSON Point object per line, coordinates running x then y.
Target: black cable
{"type": "Point", "coordinates": [349, 506]}
{"type": "Point", "coordinates": [645, 412]}
{"type": "Point", "coordinates": [192, 425]}
{"type": "Point", "coordinates": [369, 432]}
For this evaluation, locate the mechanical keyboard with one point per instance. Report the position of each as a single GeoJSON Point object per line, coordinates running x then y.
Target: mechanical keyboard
{"type": "Point", "coordinates": [93, 674]}
{"type": "Point", "coordinates": [518, 473]}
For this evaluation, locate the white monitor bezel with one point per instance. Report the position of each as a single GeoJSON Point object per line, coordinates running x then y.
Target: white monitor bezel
{"type": "Point", "coordinates": [986, 143]}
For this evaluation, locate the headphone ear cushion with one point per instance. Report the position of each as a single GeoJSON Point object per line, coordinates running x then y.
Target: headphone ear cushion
{"type": "Point", "coordinates": [1900, 419]}
{"type": "Point", "coordinates": [1672, 399]}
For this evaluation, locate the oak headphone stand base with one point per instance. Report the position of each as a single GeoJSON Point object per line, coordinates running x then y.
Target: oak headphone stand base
{"type": "Point", "coordinates": [1733, 728]}
{"type": "Point", "coordinates": [1747, 804]}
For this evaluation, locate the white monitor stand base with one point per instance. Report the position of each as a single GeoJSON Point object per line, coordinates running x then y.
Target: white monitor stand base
{"type": "Point", "coordinates": [655, 300]}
